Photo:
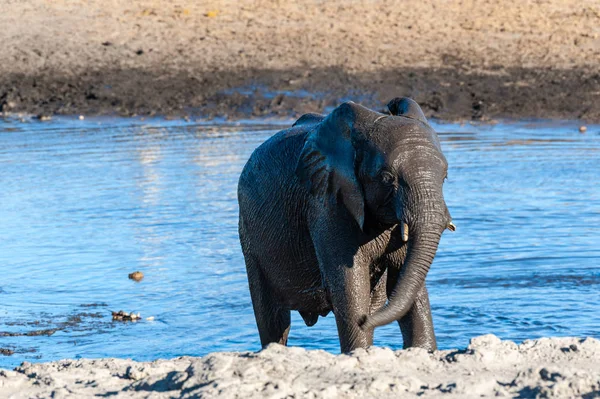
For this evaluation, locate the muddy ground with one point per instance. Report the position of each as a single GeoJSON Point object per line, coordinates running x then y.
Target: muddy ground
{"type": "Point", "coordinates": [488, 367]}
{"type": "Point", "coordinates": [237, 59]}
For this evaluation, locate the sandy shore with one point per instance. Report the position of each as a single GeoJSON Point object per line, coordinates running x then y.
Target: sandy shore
{"type": "Point", "coordinates": [461, 60]}
{"type": "Point", "coordinates": [548, 367]}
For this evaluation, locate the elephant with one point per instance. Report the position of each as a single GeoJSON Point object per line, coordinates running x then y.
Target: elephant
{"type": "Point", "coordinates": [344, 213]}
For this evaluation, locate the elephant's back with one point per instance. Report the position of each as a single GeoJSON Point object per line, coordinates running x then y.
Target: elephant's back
{"type": "Point", "coordinates": [269, 194]}
{"type": "Point", "coordinates": [271, 169]}
{"type": "Point", "coordinates": [273, 209]}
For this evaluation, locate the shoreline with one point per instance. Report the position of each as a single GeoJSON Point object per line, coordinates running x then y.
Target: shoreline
{"type": "Point", "coordinates": [546, 367]}
{"type": "Point", "coordinates": [445, 94]}
{"type": "Point", "coordinates": [249, 59]}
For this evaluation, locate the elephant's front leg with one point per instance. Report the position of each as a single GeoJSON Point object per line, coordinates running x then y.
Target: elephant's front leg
{"type": "Point", "coordinates": [349, 288]}
{"type": "Point", "coordinates": [417, 324]}
{"type": "Point", "coordinates": [347, 278]}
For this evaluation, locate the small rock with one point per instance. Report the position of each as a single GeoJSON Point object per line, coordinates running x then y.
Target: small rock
{"type": "Point", "coordinates": [6, 352]}
{"type": "Point", "coordinates": [133, 374]}
{"type": "Point", "coordinates": [137, 276]}
{"type": "Point", "coordinates": [582, 129]}
{"type": "Point", "coordinates": [573, 347]}
{"type": "Point", "coordinates": [124, 316]}
{"type": "Point", "coordinates": [212, 13]}
{"type": "Point", "coordinates": [151, 318]}
{"type": "Point", "coordinates": [43, 117]}
{"type": "Point", "coordinates": [550, 376]}
{"type": "Point", "coordinates": [81, 117]}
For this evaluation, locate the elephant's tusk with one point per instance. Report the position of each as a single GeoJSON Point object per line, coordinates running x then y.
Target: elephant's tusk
{"type": "Point", "coordinates": [404, 228]}
{"type": "Point", "coordinates": [451, 226]}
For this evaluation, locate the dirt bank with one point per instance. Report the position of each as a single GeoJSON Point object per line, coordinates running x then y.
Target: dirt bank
{"type": "Point", "coordinates": [555, 367]}
{"type": "Point", "coordinates": [459, 59]}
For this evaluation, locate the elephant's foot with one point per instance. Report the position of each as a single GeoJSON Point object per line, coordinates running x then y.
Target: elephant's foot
{"type": "Point", "coordinates": [352, 336]}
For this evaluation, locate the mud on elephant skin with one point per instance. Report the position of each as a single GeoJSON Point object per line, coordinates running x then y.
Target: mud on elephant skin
{"type": "Point", "coordinates": [344, 213]}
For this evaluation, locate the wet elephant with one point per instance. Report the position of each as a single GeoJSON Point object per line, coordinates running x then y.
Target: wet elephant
{"type": "Point", "coordinates": [344, 213]}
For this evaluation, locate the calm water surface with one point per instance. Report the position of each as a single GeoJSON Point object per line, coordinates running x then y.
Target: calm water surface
{"type": "Point", "coordinates": [84, 203]}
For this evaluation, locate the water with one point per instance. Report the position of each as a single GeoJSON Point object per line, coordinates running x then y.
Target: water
{"type": "Point", "coordinates": [84, 203]}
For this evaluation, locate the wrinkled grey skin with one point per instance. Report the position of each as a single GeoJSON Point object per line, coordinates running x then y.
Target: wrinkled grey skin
{"type": "Point", "coordinates": [322, 210]}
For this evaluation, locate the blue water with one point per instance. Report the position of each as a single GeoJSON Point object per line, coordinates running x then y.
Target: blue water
{"type": "Point", "coordinates": [84, 203]}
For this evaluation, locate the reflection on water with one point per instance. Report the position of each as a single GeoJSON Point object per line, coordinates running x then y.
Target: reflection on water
{"type": "Point", "coordinates": [85, 203]}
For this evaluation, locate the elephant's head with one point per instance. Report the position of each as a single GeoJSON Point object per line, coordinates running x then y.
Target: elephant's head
{"type": "Point", "coordinates": [385, 170]}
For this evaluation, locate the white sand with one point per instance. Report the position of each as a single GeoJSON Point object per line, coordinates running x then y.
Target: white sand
{"type": "Point", "coordinates": [548, 367]}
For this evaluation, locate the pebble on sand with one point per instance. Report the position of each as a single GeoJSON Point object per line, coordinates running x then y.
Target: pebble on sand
{"type": "Point", "coordinates": [137, 276]}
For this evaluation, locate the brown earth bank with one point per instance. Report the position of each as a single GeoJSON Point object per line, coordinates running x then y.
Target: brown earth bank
{"type": "Point", "coordinates": [543, 368]}
{"type": "Point", "coordinates": [237, 59]}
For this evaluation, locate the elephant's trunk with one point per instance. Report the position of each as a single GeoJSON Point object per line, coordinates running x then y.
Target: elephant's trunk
{"type": "Point", "coordinates": [424, 236]}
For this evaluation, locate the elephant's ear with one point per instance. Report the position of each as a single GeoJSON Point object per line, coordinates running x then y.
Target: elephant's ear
{"type": "Point", "coordinates": [407, 107]}
{"type": "Point", "coordinates": [309, 119]}
{"type": "Point", "coordinates": [326, 164]}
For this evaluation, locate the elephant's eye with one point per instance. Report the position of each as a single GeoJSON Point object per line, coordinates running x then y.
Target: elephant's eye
{"type": "Point", "coordinates": [387, 178]}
